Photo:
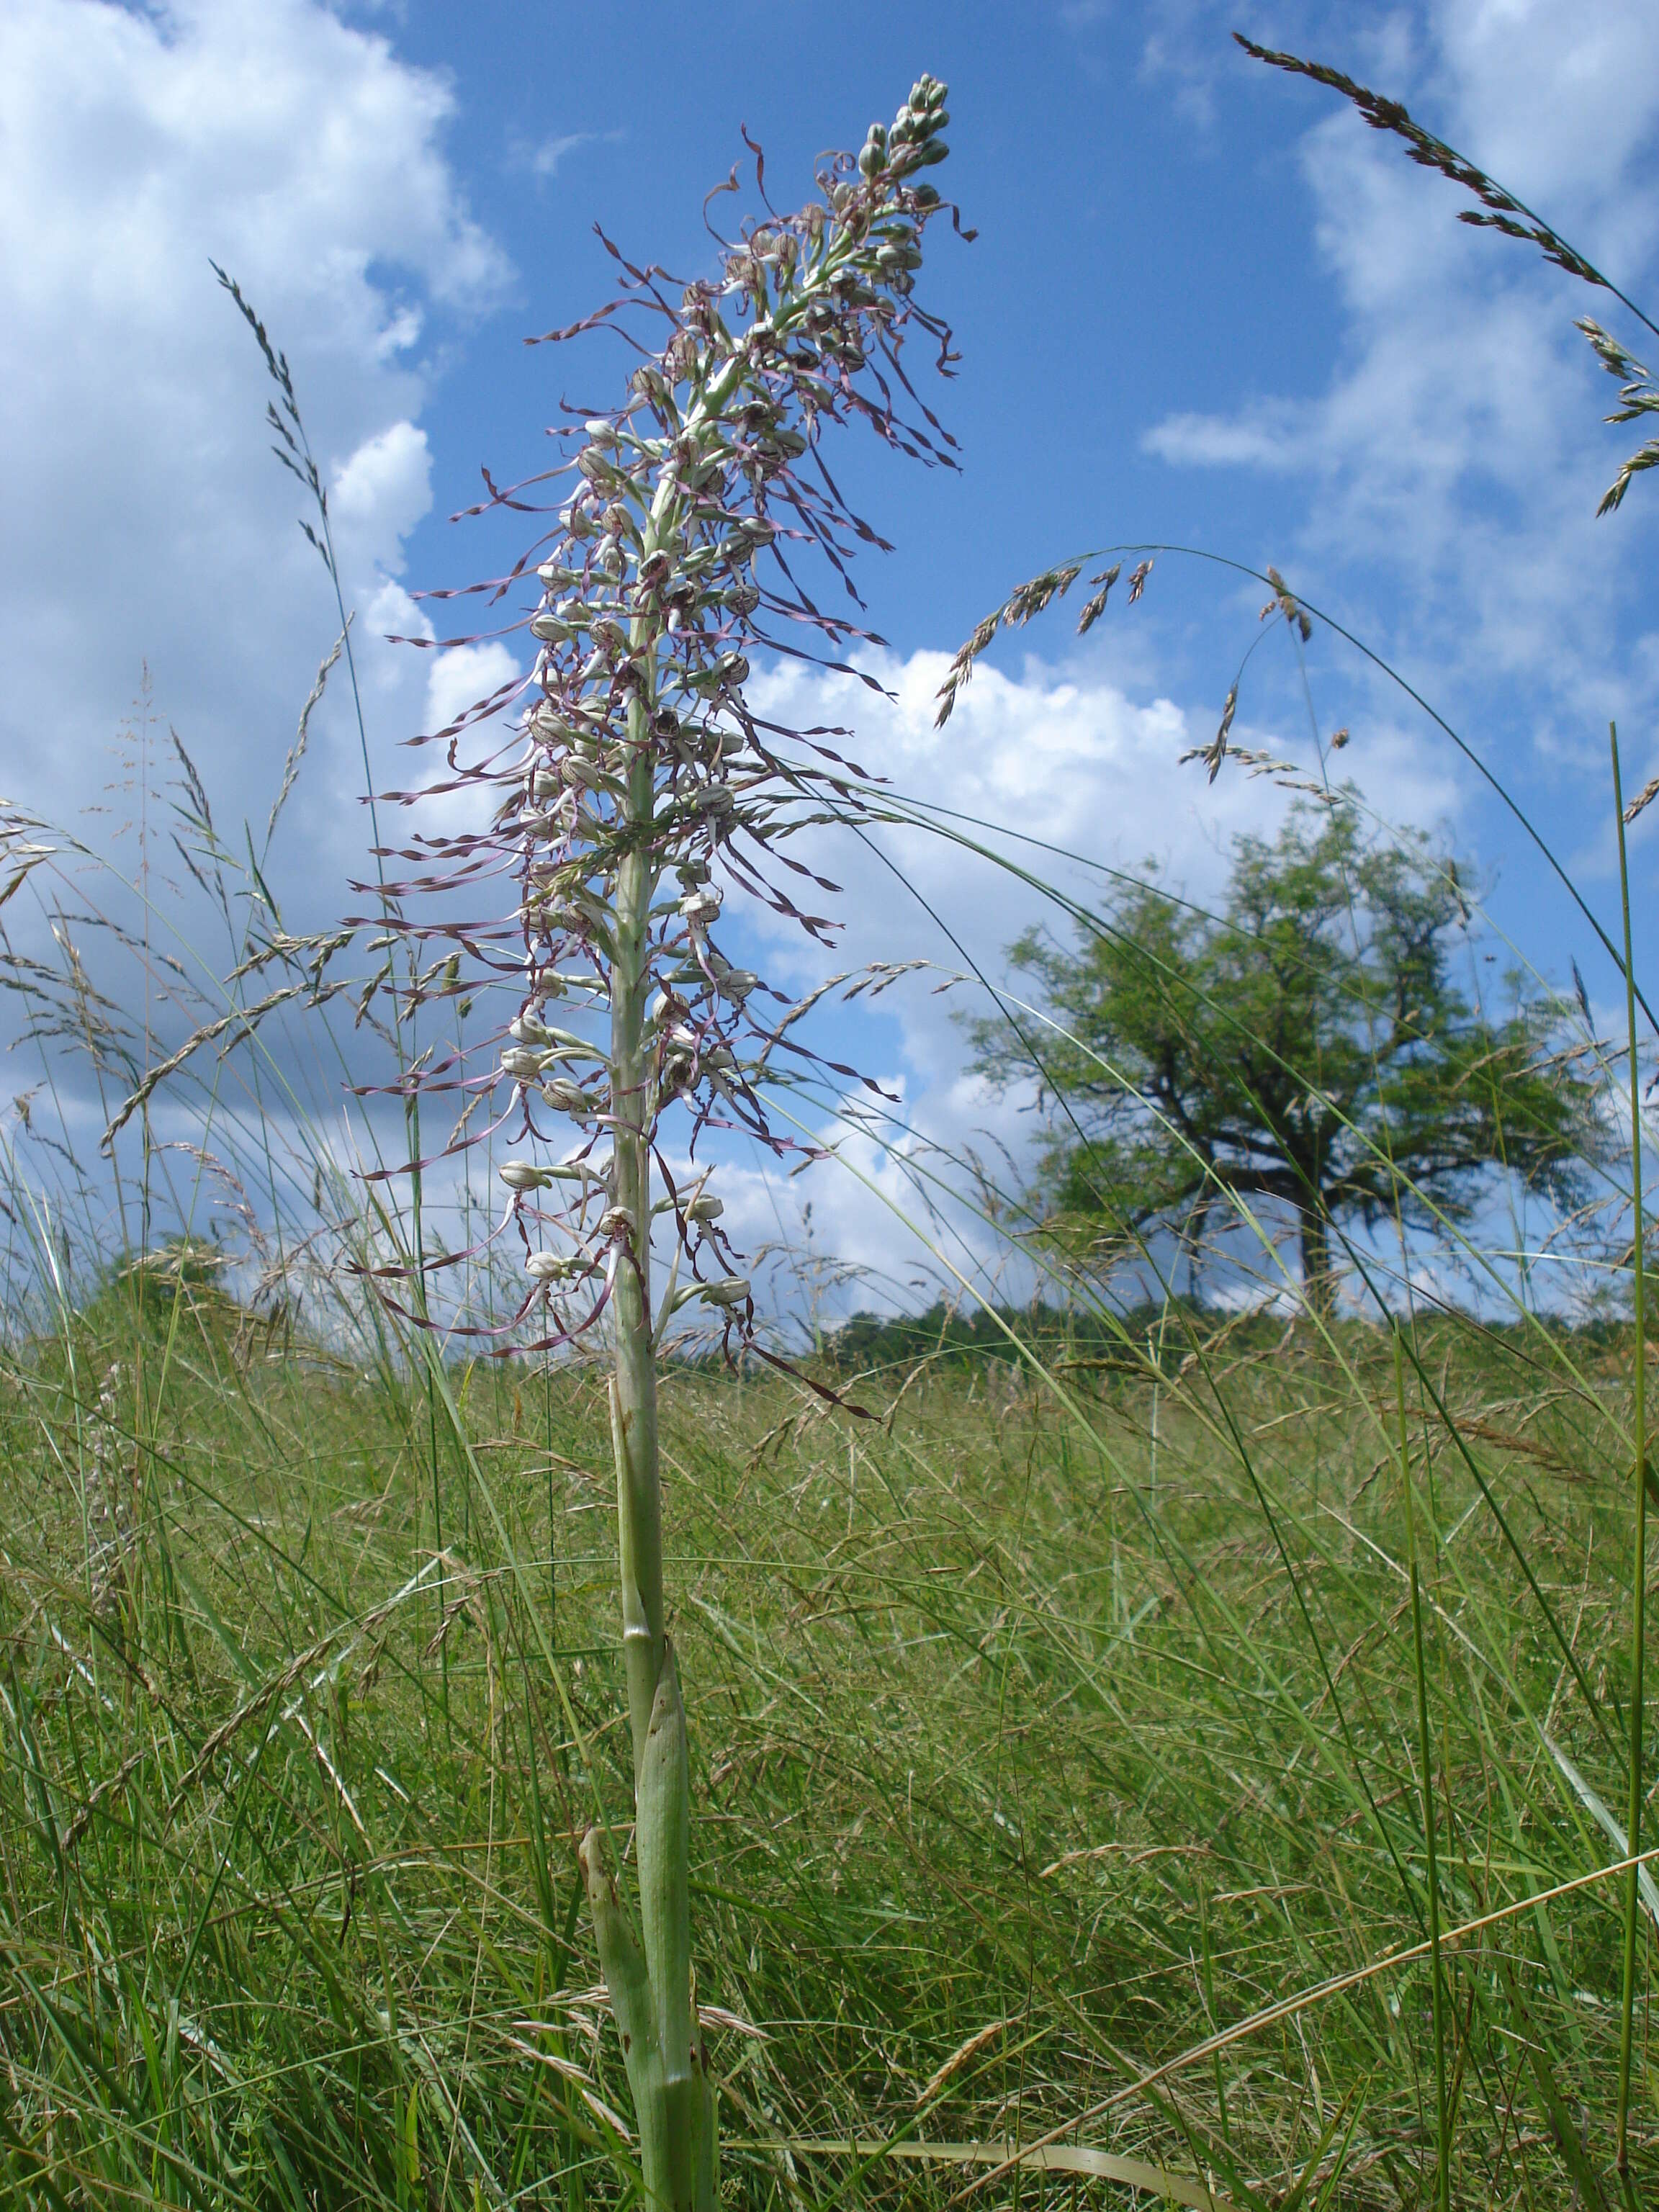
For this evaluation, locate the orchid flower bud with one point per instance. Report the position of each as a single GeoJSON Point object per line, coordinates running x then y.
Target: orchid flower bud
{"type": "Point", "coordinates": [553, 1267]}
{"type": "Point", "coordinates": [702, 906]}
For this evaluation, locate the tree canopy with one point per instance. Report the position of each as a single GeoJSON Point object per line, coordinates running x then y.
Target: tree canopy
{"type": "Point", "coordinates": [1308, 1045]}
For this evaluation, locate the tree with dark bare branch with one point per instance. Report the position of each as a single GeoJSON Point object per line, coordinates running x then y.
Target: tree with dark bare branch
{"type": "Point", "coordinates": [1307, 1047]}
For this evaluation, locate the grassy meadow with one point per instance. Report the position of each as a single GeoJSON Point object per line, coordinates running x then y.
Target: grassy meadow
{"type": "Point", "coordinates": [1180, 1758]}
{"type": "Point", "coordinates": [1048, 1725]}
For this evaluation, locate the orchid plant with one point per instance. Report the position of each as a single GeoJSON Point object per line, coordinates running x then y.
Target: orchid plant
{"type": "Point", "coordinates": [637, 788]}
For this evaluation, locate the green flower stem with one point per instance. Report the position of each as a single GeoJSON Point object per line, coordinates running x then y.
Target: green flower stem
{"type": "Point", "coordinates": [1443, 2138]}
{"type": "Point", "coordinates": [634, 1397]}
{"type": "Point", "coordinates": [662, 1841]}
{"type": "Point", "coordinates": [652, 1998]}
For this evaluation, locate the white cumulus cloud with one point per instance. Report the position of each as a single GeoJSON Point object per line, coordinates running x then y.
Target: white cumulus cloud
{"type": "Point", "coordinates": [151, 526]}
{"type": "Point", "coordinates": [381, 491]}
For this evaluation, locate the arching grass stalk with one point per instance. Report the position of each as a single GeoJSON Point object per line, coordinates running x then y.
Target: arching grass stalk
{"type": "Point", "coordinates": [1032, 598]}
{"type": "Point", "coordinates": [1424, 1753]}
{"type": "Point", "coordinates": [295, 455]}
{"type": "Point", "coordinates": [641, 772]}
{"type": "Point", "coordinates": [1639, 1572]}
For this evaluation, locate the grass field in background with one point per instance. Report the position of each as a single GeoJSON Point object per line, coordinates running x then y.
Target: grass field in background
{"type": "Point", "coordinates": [1044, 1727]}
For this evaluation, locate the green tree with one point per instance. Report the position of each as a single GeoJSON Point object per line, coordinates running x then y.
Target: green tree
{"type": "Point", "coordinates": [1307, 1046]}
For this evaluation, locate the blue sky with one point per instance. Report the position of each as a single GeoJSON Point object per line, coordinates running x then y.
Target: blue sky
{"type": "Point", "coordinates": [1205, 306]}
{"type": "Point", "coordinates": [1127, 260]}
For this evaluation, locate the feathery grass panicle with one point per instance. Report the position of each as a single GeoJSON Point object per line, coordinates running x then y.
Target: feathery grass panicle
{"type": "Point", "coordinates": [1499, 209]}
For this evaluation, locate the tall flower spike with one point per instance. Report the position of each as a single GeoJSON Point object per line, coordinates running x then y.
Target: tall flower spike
{"type": "Point", "coordinates": [637, 786]}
